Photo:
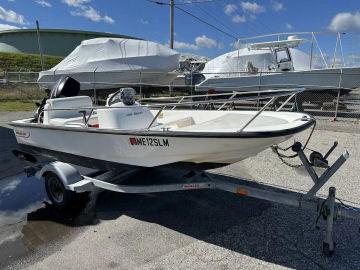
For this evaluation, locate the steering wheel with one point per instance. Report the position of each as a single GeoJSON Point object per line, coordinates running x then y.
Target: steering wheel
{"type": "Point", "coordinates": [114, 98]}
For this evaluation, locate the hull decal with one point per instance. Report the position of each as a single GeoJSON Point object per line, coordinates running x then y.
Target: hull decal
{"type": "Point", "coordinates": [22, 133]}
{"type": "Point", "coordinates": [145, 141]}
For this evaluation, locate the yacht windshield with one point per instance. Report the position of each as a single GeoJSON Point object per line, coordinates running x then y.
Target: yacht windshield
{"type": "Point", "coordinates": [282, 55]}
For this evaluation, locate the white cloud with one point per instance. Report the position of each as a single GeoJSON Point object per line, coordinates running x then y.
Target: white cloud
{"type": "Point", "coordinates": [91, 14]}
{"type": "Point", "coordinates": [349, 60]}
{"type": "Point", "coordinates": [184, 45]}
{"type": "Point", "coordinates": [87, 11]}
{"type": "Point", "coordinates": [345, 21]}
{"type": "Point", "coordinates": [204, 41]}
{"type": "Point", "coordinates": [143, 21]}
{"type": "Point", "coordinates": [288, 26]}
{"type": "Point", "coordinates": [352, 60]}
{"type": "Point", "coordinates": [17, 220]}
{"type": "Point", "coordinates": [229, 9]}
{"type": "Point", "coordinates": [76, 3]}
{"type": "Point", "coordinates": [238, 19]}
{"type": "Point", "coordinates": [43, 3]}
{"type": "Point", "coordinates": [108, 19]}
{"type": "Point", "coordinates": [11, 16]}
{"type": "Point", "coordinates": [7, 27]}
{"type": "Point", "coordinates": [199, 42]}
{"type": "Point", "coordinates": [252, 7]}
{"type": "Point", "coordinates": [277, 6]}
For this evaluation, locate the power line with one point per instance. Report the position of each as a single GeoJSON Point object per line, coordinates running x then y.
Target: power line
{"type": "Point", "coordinates": [205, 22]}
{"type": "Point", "coordinates": [183, 3]}
{"type": "Point", "coordinates": [209, 13]}
{"type": "Point", "coordinates": [257, 21]}
{"type": "Point", "coordinates": [251, 24]}
{"type": "Point", "coordinates": [157, 2]}
{"type": "Point", "coordinates": [254, 30]}
{"type": "Point", "coordinates": [196, 2]}
{"type": "Point", "coordinates": [194, 16]}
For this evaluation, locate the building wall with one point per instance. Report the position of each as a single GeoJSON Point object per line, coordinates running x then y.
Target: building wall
{"type": "Point", "coordinates": [53, 41]}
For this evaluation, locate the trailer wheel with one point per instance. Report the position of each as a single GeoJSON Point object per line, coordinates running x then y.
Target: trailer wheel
{"type": "Point", "coordinates": [60, 197]}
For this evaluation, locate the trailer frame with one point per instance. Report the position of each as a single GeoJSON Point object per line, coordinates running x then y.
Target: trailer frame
{"type": "Point", "coordinates": [326, 208]}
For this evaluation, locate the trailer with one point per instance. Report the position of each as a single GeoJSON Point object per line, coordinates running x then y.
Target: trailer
{"type": "Point", "coordinates": [64, 184]}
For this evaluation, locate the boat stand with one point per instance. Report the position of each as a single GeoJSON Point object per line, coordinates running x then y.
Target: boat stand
{"type": "Point", "coordinates": [324, 207]}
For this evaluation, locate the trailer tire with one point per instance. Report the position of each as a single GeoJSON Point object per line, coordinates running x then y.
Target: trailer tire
{"type": "Point", "coordinates": [60, 197]}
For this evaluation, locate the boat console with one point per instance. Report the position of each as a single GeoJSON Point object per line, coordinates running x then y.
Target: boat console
{"type": "Point", "coordinates": [123, 112]}
{"type": "Point", "coordinates": [122, 116]}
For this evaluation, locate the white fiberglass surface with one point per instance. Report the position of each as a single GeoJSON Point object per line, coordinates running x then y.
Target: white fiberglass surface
{"type": "Point", "coordinates": [213, 121]}
{"type": "Point", "coordinates": [228, 121]}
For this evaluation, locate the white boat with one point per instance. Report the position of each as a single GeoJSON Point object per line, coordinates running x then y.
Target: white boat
{"type": "Point", "coordinates": [275, 64]}
{"type": "Point", "coordinates": [104, 63]}
{"type": "Point", "coordinates": [126, 134]}
{"type": "Point", "coordinates": [133, 135]}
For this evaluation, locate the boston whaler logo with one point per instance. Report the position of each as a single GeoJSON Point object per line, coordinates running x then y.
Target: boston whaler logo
{"type": "Point", "coordinates": [22, 133]}
{"type": "Point", "coordinates": [149, 141]}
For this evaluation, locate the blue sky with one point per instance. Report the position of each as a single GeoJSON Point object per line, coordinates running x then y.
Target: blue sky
{"type": "Point", "coordinates": [148, 20]}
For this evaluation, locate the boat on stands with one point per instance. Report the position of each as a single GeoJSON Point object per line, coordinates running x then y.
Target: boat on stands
{"type": "Point", "coordinates": [277, 64]}
{"type": "Point", "coordinates": [108, 63]}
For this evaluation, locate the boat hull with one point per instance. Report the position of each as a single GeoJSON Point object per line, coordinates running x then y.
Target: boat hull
{"type": "Point", "coordinates": [110, 79]}
{"type": "Point", "coordinates": [108, 149]}
{"type": "Point", "coordinates": [319, 79]}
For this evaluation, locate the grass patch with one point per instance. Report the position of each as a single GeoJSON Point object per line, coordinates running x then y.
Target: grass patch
{"type": "Point", "coordinates": [26, 62]}
{"type": "Point", "coordinates": [20, 92]}
{"type": "Point", "coordinates": [16, 106]}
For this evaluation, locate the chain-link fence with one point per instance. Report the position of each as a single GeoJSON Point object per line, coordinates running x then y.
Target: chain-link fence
{"type": "Point", "coordinates": [19, 77]}
{"type": "Point", "coordinates": [20, 86]}
{"type": "Point", "coordinates": [331, 98]}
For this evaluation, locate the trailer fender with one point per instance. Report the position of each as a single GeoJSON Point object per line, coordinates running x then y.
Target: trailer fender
{"type": "Point", "coordinates": [66, 172]}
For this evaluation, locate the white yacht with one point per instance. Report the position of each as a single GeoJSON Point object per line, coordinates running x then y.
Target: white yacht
{"type": "Point", "coordinates": [275, 64]}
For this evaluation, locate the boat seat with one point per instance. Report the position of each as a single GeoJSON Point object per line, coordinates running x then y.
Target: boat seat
{"type": "Point", "coordinates": [53, 115]}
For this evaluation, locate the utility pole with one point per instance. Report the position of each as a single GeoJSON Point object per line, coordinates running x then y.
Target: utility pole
{"type": "Point", "coordinates": [39, 44]}
{"type": "Point", "coordinates": [171, 35]}
{"type": "Point", "coordinates": [171, 24]}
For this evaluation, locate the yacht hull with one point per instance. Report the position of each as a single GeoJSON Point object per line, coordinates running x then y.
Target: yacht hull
{"type": "Point", "coordinates": [319, 79]}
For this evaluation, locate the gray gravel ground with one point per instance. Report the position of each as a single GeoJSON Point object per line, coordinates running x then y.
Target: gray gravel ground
{"type": "Point", "coordinates": [204, 229]}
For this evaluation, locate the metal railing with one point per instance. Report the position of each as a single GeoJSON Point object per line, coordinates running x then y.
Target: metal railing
{"type": "Point", "coordinates": [209, 99]}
